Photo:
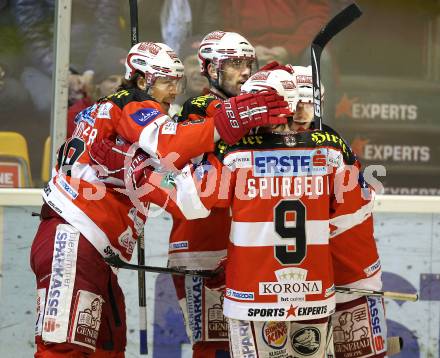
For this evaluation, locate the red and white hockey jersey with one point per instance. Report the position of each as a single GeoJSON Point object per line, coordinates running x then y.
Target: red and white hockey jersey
{"type": "Point", "coordinates": [200, 243]}
{"type": "Point", "coordinates": [105, 216]}
{"type": "Point", "coordinates": [290, 195]}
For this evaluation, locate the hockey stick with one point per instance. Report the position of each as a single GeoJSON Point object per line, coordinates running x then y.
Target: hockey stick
{"type": "Point", "coordinates": [117, 262]}
{"type": "Point", "coordinates": [142, 291]}
{"type": "Point", "coordinates": [394, 345]}
{"type": "Point", "coordinates": [400, 296]}
{"type": "Point", "coordinates": [337, 24]}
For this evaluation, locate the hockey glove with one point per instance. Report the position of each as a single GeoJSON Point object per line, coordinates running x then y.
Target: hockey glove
{"type": "Point", "coordinates": [111, 157]}
{"type": "Point", "coordinates": [237, 115]}
{"type": "Point", "coordinates": [120, 160]}
{"type": "Point", "coordinates": [217, 282]}
{"type": "Point", "coordinates": [274, 65]}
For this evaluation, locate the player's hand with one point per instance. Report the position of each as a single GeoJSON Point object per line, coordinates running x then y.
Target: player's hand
{"type": "Point", "coordinates": [111, 157]}
{"type": "Point", "coordinates": [274, 65]}
{"type": "Point", "coordinates": [237, 115]}
{"type": "Point", "coordinates": [217, 282]}
{"type": "Point", "coordinates": [120, 160]}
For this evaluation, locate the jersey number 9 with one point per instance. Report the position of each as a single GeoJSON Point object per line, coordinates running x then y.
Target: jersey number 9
{"type": "Point", "coordinates": [297, 231]}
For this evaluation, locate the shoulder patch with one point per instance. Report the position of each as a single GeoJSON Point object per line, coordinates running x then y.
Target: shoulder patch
{"type": "Point", "coordinates": [332, 139]}
{"type": "Point", "coordinates": [145, 116]}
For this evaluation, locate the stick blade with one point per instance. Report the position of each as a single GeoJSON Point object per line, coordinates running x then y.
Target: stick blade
{"type": "Point", "coordinates": [338, 23]}
{"type": "Point", "coordinates": [394, 345]}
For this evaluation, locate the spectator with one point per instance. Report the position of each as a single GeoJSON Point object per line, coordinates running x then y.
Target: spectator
{"type": "Point", "coordinates": [86, 88]}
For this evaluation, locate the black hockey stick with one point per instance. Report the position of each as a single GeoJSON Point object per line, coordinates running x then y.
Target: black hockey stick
{"type": "Point", "coordinates": [142, 290]}
{"type": "Point", "coordinates": [117, 262]}
{"type": "Point", "coordinates": [338, 23]}
{"type": "Point", "coordinates": [134, 22]}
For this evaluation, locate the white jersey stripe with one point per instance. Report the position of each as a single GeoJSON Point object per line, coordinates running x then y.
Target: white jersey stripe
{"type": "Point", "coordinates": [348, 221]}
{"type": "Point", "coordinates": [149, 138]}
{"type": "Point", "coordinates": [188, 199]}
{"type": "Point", "coordinates": [78, 219]}
{"type": "Point", "coordinates": [263, 234]}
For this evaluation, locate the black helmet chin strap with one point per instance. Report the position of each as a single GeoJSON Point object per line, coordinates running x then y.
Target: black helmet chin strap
{"type": "Point", "coordinates": [216, 84]}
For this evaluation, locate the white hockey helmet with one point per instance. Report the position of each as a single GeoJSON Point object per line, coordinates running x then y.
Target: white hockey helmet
{"type": "Point", "coordinates": [218, 46]}
{"type": "Point", "coordinates": [153, 59]}
{"type": "Point", "coordinates": [279, 80]}
{"type": "Point", "coordinates": [302, 77]}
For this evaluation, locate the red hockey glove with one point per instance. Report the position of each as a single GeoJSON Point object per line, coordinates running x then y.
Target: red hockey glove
{"type": "Point", "coordinates": [120, 160]}
{"type": "Point", "coordinates": [274, 65]}
{"type": "Point", "coordinates": [238, 114]}
{"type": "Point", "coordinates": [111, 157]}
{"type": "Point", "coordinates": [217, 282]}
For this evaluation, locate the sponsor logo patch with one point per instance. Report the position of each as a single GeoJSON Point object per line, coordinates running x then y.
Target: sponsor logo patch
{"type": "Point", "coordinates": [86, 116]}
{"type": "Point", "coordinates": [306, 341]}
{"type": "Point", "coordinates": [88, 309]}
{"type": "Point", "coordinates": [274, 334]}
{"type": "Point", "coordinates": [65, 186]}
{"type": "Point", "coordinates": [127, 241]}
{"type": "Point", "coordinates": [370, 270]}
{"type": "Point", "coordinates": [194, 297]}
{"type": "Point", "coordinates": [242, 339]}
{"type": "Point", "coordinates": [217, 325]}
{"type": "Point", "coordinates": [179, 245]}
{"type": "Point", "coordinates": [378, 323]}
{"type": "Point", "coordinates": [169, 127]}
{"type": "Point", "coordinates": [351, 333]}
{"type": "Point", "coordinates": [290, 163]}
{"type": "Point", "coordinates": [41, 302]}
{"type": "Point", "coordinates": [62, 279]}
{"type": "Point", "coordinates": [238, 160]}
{"type": "Point", "coordinates": [145, 116]}
{"type": "Point", "coordinates": [292, 285]}
{"type": "Point", "coordinates": [240, 295]}
{"type": "Point", "coordinates": [266, 312]}
{"type": "Point", "coordinates": [326, 138]}
{"type": "Point", "coordinates": [104, 110]}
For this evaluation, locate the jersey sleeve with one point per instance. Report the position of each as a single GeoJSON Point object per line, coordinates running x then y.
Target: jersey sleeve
{"type": "Point", "coordinates": [159, 190]}
{"type": "Point", "coordinates": [204, 186]}
{"type": "Point", "coordinates": [160, 136]}
{"type": "Point", "coordinates": [353, 247]}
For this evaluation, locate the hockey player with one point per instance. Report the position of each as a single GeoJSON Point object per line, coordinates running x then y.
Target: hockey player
{"type": "Point", "coordinates": [297, 229]}
{"type": "Point", "coordinates": [84, 218]}
{"type": "Point", "coordinates": [226, 60]}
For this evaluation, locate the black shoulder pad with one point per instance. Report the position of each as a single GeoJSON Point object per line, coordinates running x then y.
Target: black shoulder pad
{"type": "Point", "coordinates": [196, 105]}
{"type": "Point", "coordinates": [125, 96]}
{"type": "Point", "coordinates": [254, 141]}
{"type": "Point", "coordinates": [330, 138]}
